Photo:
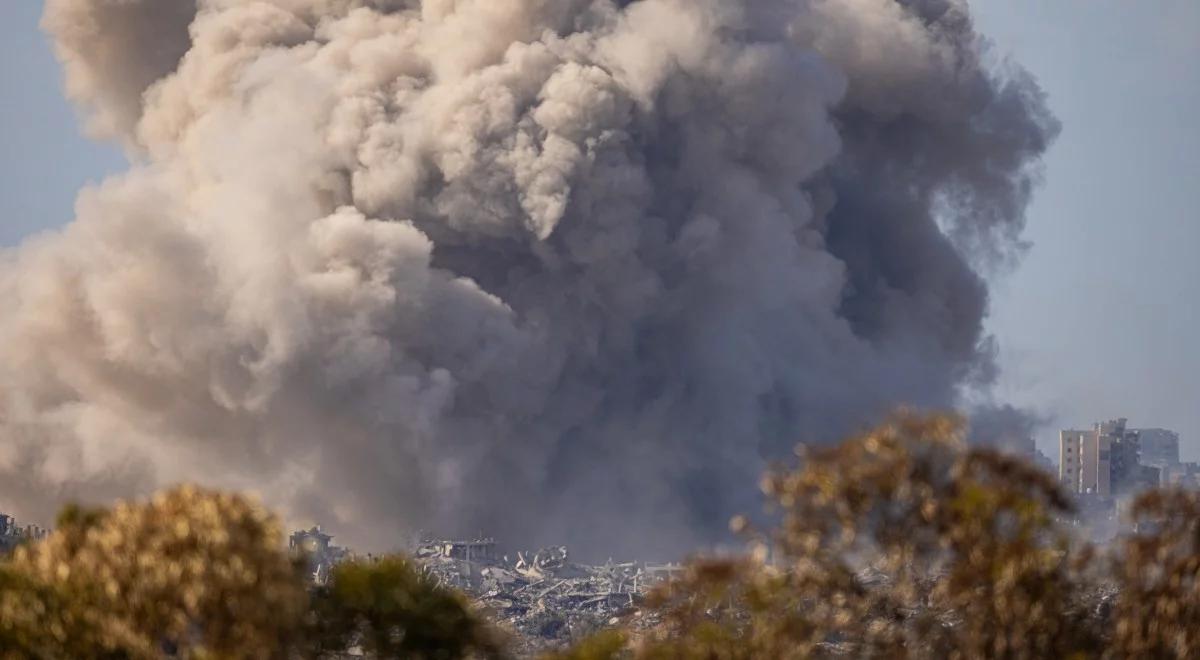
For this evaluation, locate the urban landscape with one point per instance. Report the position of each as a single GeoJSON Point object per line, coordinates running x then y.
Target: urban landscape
{"type": "Point", "coordinates": [548, 601]}
{"type": "Point", "coordinates": [599, 330]}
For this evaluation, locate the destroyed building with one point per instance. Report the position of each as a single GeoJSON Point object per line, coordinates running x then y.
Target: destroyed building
{"type": "Point", "coordinates": [318, 549]}
{"type": "Point", "coordinates": [542, 597]}
{"type": "Point", "coordinates": [483, 549]}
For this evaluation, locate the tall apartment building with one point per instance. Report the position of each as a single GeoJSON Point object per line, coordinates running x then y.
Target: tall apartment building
{"type": "Point", "coordinates": [1070, 458]}
{"type": "Point", "coordinates": [1100, 461]}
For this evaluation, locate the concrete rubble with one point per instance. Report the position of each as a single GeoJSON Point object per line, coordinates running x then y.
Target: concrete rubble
{"type": "Point", "coordinates": [542, 596]}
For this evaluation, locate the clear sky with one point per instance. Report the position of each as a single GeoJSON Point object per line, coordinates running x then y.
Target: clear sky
{"type": "Point", "coordinates": [1101, 319]}
{"type": "Point", "coordinates": [44, 159]}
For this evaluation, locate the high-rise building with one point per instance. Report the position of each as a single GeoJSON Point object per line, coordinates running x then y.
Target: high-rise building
{"type": "Point", "coordinates": [1070, 458]}
{"type": "Point", "coordinates": [1100, 461]}
{"type": "Point", "coordinates": [1125, 469]}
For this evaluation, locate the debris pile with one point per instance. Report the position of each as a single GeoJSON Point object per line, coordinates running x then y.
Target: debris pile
{"type": "Point", "coordinates": [542, 596]}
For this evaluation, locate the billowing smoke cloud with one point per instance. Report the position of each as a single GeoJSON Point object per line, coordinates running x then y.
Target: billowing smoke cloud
{"type": "Point", "coordinates": [113, 50]}
{"type": "Point", "coordinates": [558, 270]}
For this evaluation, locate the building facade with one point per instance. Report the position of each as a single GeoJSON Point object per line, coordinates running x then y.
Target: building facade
{"type": "Point", "coordinates": [317, 548]}
{"type": "Point", "coordinates": [1160, 447]}
{"type": "Point", "coordinates": [1124, 447]}
{"type": "Point", "coordinates": [1070, 458]}
{"type": "Point", "coordinates": [1101, 461]}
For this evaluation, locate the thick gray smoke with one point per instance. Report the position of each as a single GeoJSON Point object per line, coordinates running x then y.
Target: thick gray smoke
{"type": "Point", "coordinates": [1005, 427]}
{"type": "Point", "coordinates": [562, 270]}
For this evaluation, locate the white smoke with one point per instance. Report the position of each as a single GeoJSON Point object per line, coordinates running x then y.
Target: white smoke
{"type": "Point", "coordinates": [552, 269]}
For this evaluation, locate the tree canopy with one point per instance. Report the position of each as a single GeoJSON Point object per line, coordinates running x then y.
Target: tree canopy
{"type": "Point", "coordinates": [901, 542]}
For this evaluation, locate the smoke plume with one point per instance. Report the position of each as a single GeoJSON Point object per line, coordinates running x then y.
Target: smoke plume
{"type": "Point", "coordinates": [556, 270]}
{"type": "Point", "coordinates": [1006, 428]}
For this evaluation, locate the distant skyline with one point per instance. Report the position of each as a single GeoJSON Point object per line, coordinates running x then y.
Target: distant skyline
{"type": "Point", "coordinates": [1100, 318]}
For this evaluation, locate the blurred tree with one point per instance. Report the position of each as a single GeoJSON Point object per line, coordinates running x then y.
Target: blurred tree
{"type": "Point", "coordinates": [200, 574]}
{"type": "Point", "coordinates": [392, 609]}
{"type": "Point", "coordinates": [1157, 610]}
{"type": "Point", "coordinates": [899, 543]}
{"type": "Point", "coordinates": [604, 645]}
{"type": "Point", "coordinates": [192, 573]}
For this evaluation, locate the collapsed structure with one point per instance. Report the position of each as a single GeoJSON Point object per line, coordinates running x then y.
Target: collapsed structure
{"type": "Point", "coordinates": [543, 596]}
{"type": "Point", "coordinates": [318, 549]}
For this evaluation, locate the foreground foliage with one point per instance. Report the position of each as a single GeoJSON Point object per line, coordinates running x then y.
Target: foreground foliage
{"type": "Point", "coordinates": [899, 543]}
{"type": "Point", "coordinates": [199, 574]}
{"type": "Point", "coordinates": [394, 610]}
{"type": "Point", "coordinates": [1158, 612]}
{"type": "Point", "coordinates": [905, 543]}
{"type": "Point", "coordinates": [191, 572]}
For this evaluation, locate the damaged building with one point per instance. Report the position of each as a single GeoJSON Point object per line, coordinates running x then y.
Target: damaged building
{"type": "Point", "coordinates": [318, 549]}
{"type": "Point", "coordinates": [543, 596]}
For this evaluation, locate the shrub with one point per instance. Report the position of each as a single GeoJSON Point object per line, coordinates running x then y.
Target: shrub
{"type": "Point", "coordinates": [1157, 609]}
{"type": "Point", "coordinates": [192, 573]}
{"type": "Point", "coordinates": [899, 543]}
{"type": "Point", "coordinates": [201, 574]}
{"type": "Point", "coordinates": [392, 609]}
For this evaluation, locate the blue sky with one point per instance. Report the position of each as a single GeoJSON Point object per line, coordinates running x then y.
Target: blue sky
{"type": "Point", "coordinates": [44, 159]}
{"type": "Point", "coordinates": [1101, 319]}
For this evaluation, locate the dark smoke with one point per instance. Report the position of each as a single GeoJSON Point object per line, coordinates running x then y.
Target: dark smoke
{"type": "Point", "coordinates": [555, 270]}
{"type": "Point", "coordinates": [1005, 427]}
